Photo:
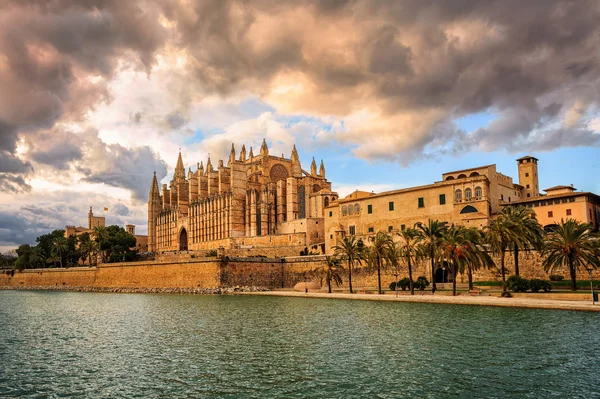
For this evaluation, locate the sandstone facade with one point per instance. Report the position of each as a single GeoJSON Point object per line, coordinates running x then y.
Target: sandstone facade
{"type": "Point", "coordinates": [253, 201]}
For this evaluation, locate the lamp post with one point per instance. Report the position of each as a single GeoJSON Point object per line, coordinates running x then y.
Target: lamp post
{"type": "Point", "coordinates": [396, 285]}
{"type": "Point", "coordinates": [305, 284]}
{"type": "Point", "coordinates": [589, 269]}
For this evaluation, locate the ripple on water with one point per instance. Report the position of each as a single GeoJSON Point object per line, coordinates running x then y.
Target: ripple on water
{"type": "Point", "coordinates": [67, 344]}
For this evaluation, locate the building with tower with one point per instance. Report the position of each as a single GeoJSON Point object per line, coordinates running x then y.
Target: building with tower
{"type": "Point", "coordinates": [255, 201]}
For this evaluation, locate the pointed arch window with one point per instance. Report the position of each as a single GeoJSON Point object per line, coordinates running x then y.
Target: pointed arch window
{"type": "Point", "coordinates": [326, 201]}
{"type": "Point", "coordinates": [301, 202]}
{"type": "Point", "coordinates": [344, 210]}
{"type": "Point", "coordinates": [478, 192]}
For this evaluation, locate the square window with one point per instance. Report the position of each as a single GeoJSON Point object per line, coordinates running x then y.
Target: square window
{"type": "Point", "coordinates": [330, 213]}
{"type": "Point", "coordinates": [369, 208]}
{"type": "Point", "coordinates": [371, 229]}
{"type": "Point", "coordinates": [571, 199]}
{"type": "Point", "coordinates": [390, 228]}
{"type": "Point", "coordinates": [352, 230]}
{"type": "Point", "coordinates": [526, 174]}
{"type": "Point", "coordinates": [527, 186]}
{"type": "Point", "coordinates": [528, 195]}
{"type": "Point", "coordinates": [331, 236]}
{"type": "Point", "coordinates": [391, 205]}
{"type": "Point", "coordinates": [442, 199]}
{"type": "Point", "coordinates": [421, 202]}
{"type": "Point", "coordinates": [568, 212]}
{"type": "Point", "coordinates": [403, 227]}
{"type": "Point", "coordinates": [550, 214]}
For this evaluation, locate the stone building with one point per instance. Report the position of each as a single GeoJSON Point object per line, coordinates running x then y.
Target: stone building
{"type": "Point", "coordinates": [559, 202]}
{"type": "Point", "coordinates": [254, 201]}
{"type": "Point", "coordinates": [100, 221]}
{"type": "Point", "coordinates": [470, 197]}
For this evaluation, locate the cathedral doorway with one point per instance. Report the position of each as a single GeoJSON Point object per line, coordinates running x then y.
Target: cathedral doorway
{"type": "Point", "coordinates": [183, 240]}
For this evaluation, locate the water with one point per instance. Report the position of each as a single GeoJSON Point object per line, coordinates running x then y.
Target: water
{"type": "Point", "coordinates": [66, 344]}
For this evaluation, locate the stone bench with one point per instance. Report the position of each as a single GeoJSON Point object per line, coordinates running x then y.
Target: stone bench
{"type": "Point", "coordinates": [475, 292]}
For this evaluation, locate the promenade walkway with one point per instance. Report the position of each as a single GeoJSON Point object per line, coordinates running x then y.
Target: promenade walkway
{"type": "Point", "coordinates": [483, 300]}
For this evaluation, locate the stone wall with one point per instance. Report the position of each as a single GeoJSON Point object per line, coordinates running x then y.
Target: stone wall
{"type": "Point", "coordinates": [183, 271]}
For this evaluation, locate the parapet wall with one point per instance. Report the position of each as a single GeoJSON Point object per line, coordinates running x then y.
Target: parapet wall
{"type": "Point", "coordinates": [272, 272]}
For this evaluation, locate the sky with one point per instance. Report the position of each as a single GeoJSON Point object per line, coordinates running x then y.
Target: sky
{"type": "Point", "coordinates": [96, 95]}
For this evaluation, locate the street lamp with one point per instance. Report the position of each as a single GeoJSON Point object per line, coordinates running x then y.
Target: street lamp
{"type": "Point", "coordinates": [305, 284]}
{"type": "Point", "coordinates": [396, 285]}
{"type": "Point", "coordinates": [589, 269]}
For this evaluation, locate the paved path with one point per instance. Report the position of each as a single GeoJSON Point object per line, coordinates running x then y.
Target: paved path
{"type": "Point", "coordinates": [453, 300]}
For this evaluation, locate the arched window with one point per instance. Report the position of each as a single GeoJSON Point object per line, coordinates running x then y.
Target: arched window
{"type": "Point", "coordinates": [478, 192]}
{"type": "Point", "coordinates": [474, 174]}
{"type": "Point", "coordinates": [458, 195]}
{"type": "Point", "coordinates": [468, 193]}
{"type": "Point", "coordinates": [450, 178]}
{"type": "Point", "coordinates": [461, 176]}
{"type": "Point", "coordinates": [350, 210]}
{"type": "Point", "coordinates": [326, 201]}
{"type": "Point", "coordinates": [316, 188]}
{"type": "Point", "coordinates": [469, 209]}
{"type": "Point", "coordinates": [344, 210]}
{"type": "Point", "coordinates": [357, 209]}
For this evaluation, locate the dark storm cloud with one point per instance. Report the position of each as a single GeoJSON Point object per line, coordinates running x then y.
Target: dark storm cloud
{"type": "Point", "coordinates": [48, 51]}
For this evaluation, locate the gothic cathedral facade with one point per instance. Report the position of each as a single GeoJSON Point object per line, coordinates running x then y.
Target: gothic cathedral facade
{"type": "Point", "coordinates": [254, 201]}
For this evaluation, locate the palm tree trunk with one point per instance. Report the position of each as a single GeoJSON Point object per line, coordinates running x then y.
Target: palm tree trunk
{"type": "Point", "coordinates": [454, 283]}
{"type": "Point", "coordinates": [379, 275]}
{"type": "Point", "coordinates": [502, 268]}
{"type": "Point", "coordinates": [410, 281]}
{"type": "Point", "coordinates": [433, 286]}
{"type": "Point", "coordinates": [516, 251]}
{"type": "Point", "coordinates": [329, 285]}
{"type": "Point", "coordinates": [470, 276]}
{"type": "Point", "coordinates": [573, 276]}
{"type": "Point", "coordinates": [350, 276]}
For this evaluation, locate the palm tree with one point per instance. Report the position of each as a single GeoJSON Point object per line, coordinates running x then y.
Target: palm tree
{"type": "Point", "coordinates": [429, 242]}
{"type": "Point", "coordinates": [530, 233]}
{"type": "Point", "coordinates": [353, 250]}
{"type": "Point", "coordinates": [35, 256]}
{"type": "Point", "coordinates": [101, 235]}
{"type": "Point", "coordinates": [410, 251]}
{"type": "Point", "coordinates": [331, 271]}
{"type": "Point", "coordinates": [500, 233]}
{"type": "Point", "coordinates": [381, 241]}
{"type": "Point", "coordinates": [89, 248]}
{"type": "Point", "coordinates": [461, 250]}
{"type": "Point", "coordinates": [571, 244]}
{"type": "Point", "coordinates": [59, 247]}
{"type": "Point", "coordinates": [53, 259]}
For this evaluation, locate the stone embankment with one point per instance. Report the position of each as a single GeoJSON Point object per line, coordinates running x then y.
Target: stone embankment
{"type": "Point", "coordinates": [130, 290]}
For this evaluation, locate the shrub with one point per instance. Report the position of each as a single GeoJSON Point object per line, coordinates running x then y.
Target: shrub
{"type": "Point", "coordinates": [556, 277]}
{"type": "Point", "coordinates": [212, 252]}
{"type": "Point", "coordinates": [536, 285]}
{"type": "Point", "coordinates": [421, 283]}
{"type": "Point", "coordinates": [517, 284]}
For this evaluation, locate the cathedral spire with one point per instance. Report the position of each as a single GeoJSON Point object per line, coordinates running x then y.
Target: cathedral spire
{"type": "Point", "coordinates": [179, 168]}
{"type": "Point", "coordinates": [313, 167]}
{"type": "Point", "coordinates": [243, 153]}
{"type": "Point", "coordinates": [264, 150]}
{"type": "Point", "coordinates": [200, 168]}
{"type": "Point", "coordinates": [232, 154]}
{"type": "Point", "coordinates": [154, 190]}
{"type": "Point", "coordinates": [209, 167]}
{"type": "Point", "coordinates": [294, 157]}
{"type": "Point", "coordinates": [322, 169]}
{"type": "Point", "coordinates": [251, 154]}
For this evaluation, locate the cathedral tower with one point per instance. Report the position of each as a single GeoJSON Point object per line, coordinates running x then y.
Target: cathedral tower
{"type": "Point", "coordinates": [154, 207]}
{"type": "Point", "coordinates": [528, 176]}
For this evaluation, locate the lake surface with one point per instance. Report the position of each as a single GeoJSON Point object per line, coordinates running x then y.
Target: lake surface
{"type": "Point", "coordinates": [68, 344]}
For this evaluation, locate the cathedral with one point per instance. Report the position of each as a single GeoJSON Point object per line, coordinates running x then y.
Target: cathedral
{"type": "Point", "coordinates": [254, 201]}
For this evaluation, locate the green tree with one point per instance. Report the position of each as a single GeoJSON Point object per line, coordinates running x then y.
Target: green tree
{"type": "Point", "coordinates": [461, 250]}
{"type": "Point", "coordinates": [353, 251]}
{"type": "Point", "coordinates": [60, 247]}
{"type": "Point", "coordinates": [381, 242]}
{"type": "Point", "coordinates": [410, 251]}
{"type": "Point", "coordinates": [53, 259]}
{"type": "Point", "coordinates": [117, 245]}
{"type": "Point", "coordinates": [46, 242]}
{"type": "Point", "coordinates": [500, 234]}
{"type": "Point", "coordinates": [530, 233]}
{"type": "Point", "coordinates": [36, 257]}
{"type": "Point", "coordinates": [101, 236]}
{"type": "Point", "coordinates": [87, 247]}
{"type": "Point", "coordinates": [331, 271]}
{"type": "Point", "coordinates": [23, 254]}
{"type": "Point", "coordinates": [430, 235]}
{"type": "Point", "coordinates": [573, 245]}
